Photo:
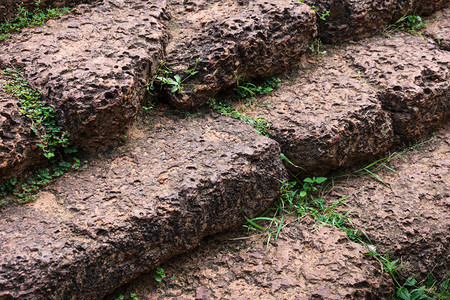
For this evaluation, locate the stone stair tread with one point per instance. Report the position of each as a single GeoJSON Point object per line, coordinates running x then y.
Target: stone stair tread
{"type": "Point", "coordinates": [229, 41]}
{"type": "Point", "coordinates": [438, 28]}
{"type": "Point", "coordinates": [91, 65]}
{"type": "Point", "coordinates": [412, 77]}
{"type": "Point", "coordinates": [91, 231]}
{"type": "Point", "coordinates": [409, 215]}
{"type": "Point", "coordinates": [327, 118]}
{"type": "Point", "coordinates": [306, 262]}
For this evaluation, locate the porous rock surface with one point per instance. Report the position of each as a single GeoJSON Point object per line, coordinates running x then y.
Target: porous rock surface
{"type": "Point", "coordinates": [438, 28]}
{"type": "Point", "coordinates": [348, 19]}
{"type": "Point", "coordinates": [89, 232]}
{"type": "Point", "coordinates": [250, 39]}
{"type": "Point", "coordinates": [306, 262]}
{"type": "Point", "coordinates": [409, 214]}
{"type": "Point", "coordinates": [412, 78]}
{"type": "Point", "coordinates": [327, 118]}
{"type": "Point", "coordinates": [91, 66]}
{"type": "Point", "coordinates": [18, 147]}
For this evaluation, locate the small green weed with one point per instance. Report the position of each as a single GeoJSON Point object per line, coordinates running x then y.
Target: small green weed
{"type": "Point", "coordinates": [25, 18]}
{"type": "Point", "coordinates": [227, 109]}
{"type": "Point", "coordinates": [41, 115]}
{"type": "Point", "coordinates": [316, 47]}
{"type": "Point", "coordinates": [322, 15]}
{"type": "Point", "coordinates": [25, 191]}
{"type": "Point", "coordinates": [132, 297]}
{"type": "Point", "coordinates": [166, 77]}
{"type": "Point", "coordinates": [303, 200]}
{"type": "Point", "coordinates": [411, 289]}
{"type": "Point", "coordinates": [160, 275]}
{"type": "Point", "coordinates": [247, 89]}
{"type": "Point", "coordinates": [408, 23]}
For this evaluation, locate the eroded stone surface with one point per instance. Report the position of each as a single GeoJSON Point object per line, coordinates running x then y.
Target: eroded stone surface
{"type": "Point", "coordinates": [250, 39]}
{"type": "Point", "coordinates": [327, 118]}
{"type": "Point", "coordinates": [409, 215]}
{"type": "Point", "coordinates": [306, 262]}
{"type": "Point", "coordinates": [349, 19]}
{"type": "Point", "coordinates": [91, 231]}
{"type": "Point", "coordinates": [439, 30]}
{"type": "Point", "coordinates": [412, 77]}
{"type": "Point", "coordinates": [18, 149]}
{"type": "Point", "coordinates": [91, 65]}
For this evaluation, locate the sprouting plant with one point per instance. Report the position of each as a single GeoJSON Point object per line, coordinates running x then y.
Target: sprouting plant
{"type": "Point", "coordinates": [25, 18]}
{"type": "Point", "coordinates": [160, 275]}
{"type": "Point", "coordinates": [409, 23]}
{"type": "Point", "coordinates": [247, 89]}
{"type": "Point", "coordinates": [324, 15]}
{"type": "Point", "coordinates": [176, 82]}
{"type": "Point", "coordinates": [40, 113]}
{"type": "Point", "coordinates": [227, 109]}
{"type": "Point", "coordinates": [316, 47]}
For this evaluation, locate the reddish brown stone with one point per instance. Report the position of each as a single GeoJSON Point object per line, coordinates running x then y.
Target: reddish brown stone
{"type": "Point", "coordinates": [327, 118]}
{"type": "Point", "coordinates": [350, 20]}
{"type": "Point", "coordinates": [18, 149]}
{"type": "Point", "coordinates": [412, 79]}
{"type": "Point", "coordinates": [306, 262]}
{"type": "Point", "coordinates": [250, 39]}
{"type": "Point", "coordinates": [91, 231]}
{"type": "Point", "coordinates": [439, 30]}
{"type": "Point", "coordinates": [409, 215]}
{"type": "Point", "coordinates": [91, 66]}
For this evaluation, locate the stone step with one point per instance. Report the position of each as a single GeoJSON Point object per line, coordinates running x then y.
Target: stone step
{"type": "Point", "coordinates": [408, 216]}
{"type": "Point", "coordinates": [305, 262]}
{"type": "Point", "coordinates": [438, 28]}
{"type": "Point", "coordinates": [347, 20]}
{"type": "Point", "coordinates": [172, 185]}
{"type": "Point", "coordinates": [91, 66]}
{"type": "Point", "coordinates": [230, 39]}
{"type": "Point", "coordinates": [359, 101]}
{"type": "Point", "coordinates": [411, 76]}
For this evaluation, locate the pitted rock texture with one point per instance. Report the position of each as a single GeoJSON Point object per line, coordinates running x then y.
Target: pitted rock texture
{"type": "Point", "coordinates": [91, 231]}
{"type": "Point", "coordinates": [91, 66]}
{"type": "Point", "coordinates": [439, 30]}
{"type": "Point", "coordinates": [305, 262]}
{"type": "Point", "coordinates": [412, 77]}
{"type": "Point", "coordinates": [18, 149]}
{"type": "Point", "coordinates": [250, 39]}
{"type": "Point", "coordinates": [419, 7]}
{"type": "Point", "coordinates": [327, 118]}
{"type": "Point", "coordinates": [349, 19]}
{"type": "Point", "coordinates": [409, 215]}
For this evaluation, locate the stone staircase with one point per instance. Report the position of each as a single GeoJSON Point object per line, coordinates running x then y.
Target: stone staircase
{"type": "Point", "coordinates": [178, 179]}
